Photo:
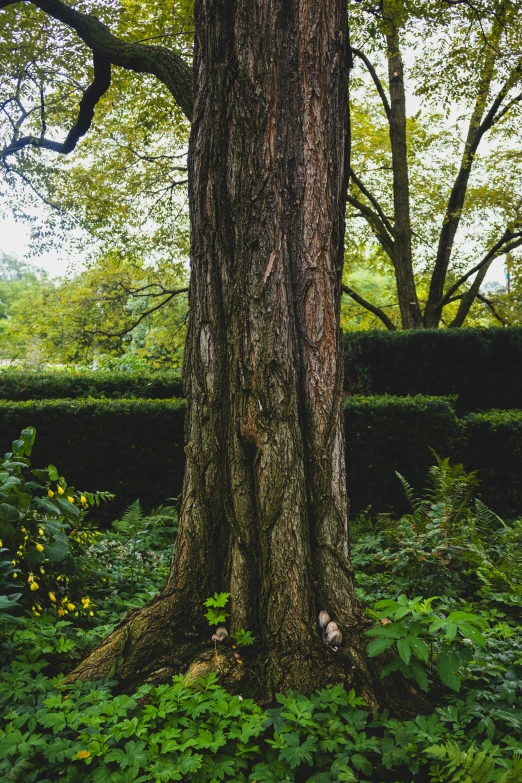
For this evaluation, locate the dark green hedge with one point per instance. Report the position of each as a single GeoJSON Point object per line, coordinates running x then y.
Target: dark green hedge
{"type": "Point", "coordinates": [20, 385]}
{"type": "Point", "coordinates": [134, 448]}
{"type": "Point", "coordinates": [482, 366]}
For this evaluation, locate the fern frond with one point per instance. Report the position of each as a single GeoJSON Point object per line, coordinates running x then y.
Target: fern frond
{"type": "Point", "coordinates": [131, 520]}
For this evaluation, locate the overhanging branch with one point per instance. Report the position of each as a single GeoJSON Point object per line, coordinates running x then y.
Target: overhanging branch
{"type": "Point", "coordinates": [376, 80]}
{"type": "Point", "coordinates": [158, 61]}
{"type": "Point", "coordinates": [91, 96]}
{"type": "Point", "coordinates": [141, 317]}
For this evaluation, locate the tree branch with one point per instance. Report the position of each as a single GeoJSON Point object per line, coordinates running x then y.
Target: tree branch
{"type": "Point", "coordinates": [498, 249]}
{"type": "Point", "coordinates": [368, 306]}
{"type": "Point", "coordinates": [140, 319]}
{"type": "Point", "coordinates": [376, 80]}
{"type": "Point", "coordinates": [91, 96]}
{"type": "Point", "coordinates": [159, 61]}
{"type": "Point", "coordinates": [371, 198]}
{"type": "Point", "coordinates": [491, 306]}
{"type": "Point", "coordinates": [375, 221]}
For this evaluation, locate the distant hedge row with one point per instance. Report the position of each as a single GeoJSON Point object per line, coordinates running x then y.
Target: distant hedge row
{"type": "Point", "coordinates": [482, 366]}
{"type": "Point", "coordinates": [134, 447]}
{"type": "Point", "coordinates": [33, 385]}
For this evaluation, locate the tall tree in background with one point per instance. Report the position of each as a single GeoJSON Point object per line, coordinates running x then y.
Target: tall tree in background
{"type": "Point", "coordinates": [264, 512]}
{"type": "Point", "coordinates": [441, 206]}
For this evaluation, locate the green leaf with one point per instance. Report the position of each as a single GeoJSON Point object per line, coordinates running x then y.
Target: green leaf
{"type": "Point", "coordinates": [8, 513]}
{"type": "Point", "coordinates": [420, 649]}
{"type": "Point", "coordinates": [378, 646]}
{"type": "Point", "coordinates": [420, 675]}
{"type": "Point", "coordinates": [53, 472]}
{"type": "Point", "coordinates": [469, 632]}
{"type": "Point", "coordinates": [391, 631]}
{"type": "Point", "coordinates": [48, 506]}
{"type": "Point", "coordinates": [447, 665]}
{"type": "Point", "coordinates": [404, 650]}
{"type": "Point", "coordinates": [218, 600]}
{"type": "Point", "coordinates": [451, 631]}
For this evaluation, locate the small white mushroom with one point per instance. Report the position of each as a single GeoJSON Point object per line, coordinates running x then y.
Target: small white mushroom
{"type": "Point", "coordinates": [334, 637]}
{"type": "Point", "coordinates": [221, 635]}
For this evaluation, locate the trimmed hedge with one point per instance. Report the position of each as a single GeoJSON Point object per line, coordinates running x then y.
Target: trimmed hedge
{"type": "Point", "coordinates": [482, 366]}
{"type": "Point", "coordinates": [134, 447]}
{"type": "Point", "coordinates": [131, 447]}
{"type": "Point", "coordinates": [19, 385]}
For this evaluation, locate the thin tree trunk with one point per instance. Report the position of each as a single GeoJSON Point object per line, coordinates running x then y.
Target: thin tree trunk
{"type": "Point", "coordinates": [433, 311]}
{"type": "Point", "coordinates": [402, 250]}
{"type": "Point", "coordinates": [469, 296]}
{"type": "Point", "coordinates": [264, 512]}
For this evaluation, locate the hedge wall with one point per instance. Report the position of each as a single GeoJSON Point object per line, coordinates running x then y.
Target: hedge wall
{"type": "Point", "coordinates": [19, 385]}
{"type": "Point", "coordinates": [134, 448]}
{"type": "Point", "coordinates": [482, 366]}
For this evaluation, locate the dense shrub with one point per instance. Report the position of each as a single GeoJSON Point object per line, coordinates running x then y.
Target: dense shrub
{"type": "Point", "coordinates": [23, 385]}
{"type": "Point", "coordinates": [481, 366]}
{"type": "Point", "coordinates": [134, 448]}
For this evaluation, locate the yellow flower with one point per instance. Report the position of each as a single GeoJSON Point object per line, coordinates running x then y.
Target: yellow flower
{"type": "Point", "coordinates": [60, 613]}
{"type": "Point", "coordinates": [40, 531]}
{"type": "Point", "coordinates": [83, 500]}
{"type": "Point", "coordinates": [50, 493]}
{"type": "Point", "coordinates": [30, 578]}
{"type": "Point", "coordinates": [71, 607]}
{"type": "Point", "coordinates": [91, 614]}
{"type": "Point", "coordinates": [83, 754]}
{"type": "Point", "coordinates": [15, 576]}
{"type": "Point", "coordinates": [58, 578]}
{"type": "Point", "coordinates": [61, 491]}
{"type": "Point", "coordinates": [1, 542]}
{"type": "Point", "coordinates": [13, 562]}
{"type": "Point", "coordinates": [23, 530]}
{"type": "Point", "coordinates": [39, 547]}
{"type": "Point", "coordinates": [86, 602]}
{"type": "Point", "coordinates": [36, 614]}
{"type": "Point", "coordinates": [41, 570]}
{"type": "Point", "coordinates": [34, 586]}
{"type": "Point", "coordinates": [52, 597]}
{"type": "Point", "coordinates": [70, 499]}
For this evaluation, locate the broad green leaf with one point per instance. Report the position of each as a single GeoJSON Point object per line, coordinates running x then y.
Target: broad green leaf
{"type": "Point", "coordinates": [378, 646]}
{"type": "Point", "coordinates": [404, 650]}
{"type": "Point", "coordinates": [447, 665]}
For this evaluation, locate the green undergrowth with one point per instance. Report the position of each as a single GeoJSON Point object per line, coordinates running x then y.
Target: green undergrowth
{"type": "Point", "coordinates": [445, 580]}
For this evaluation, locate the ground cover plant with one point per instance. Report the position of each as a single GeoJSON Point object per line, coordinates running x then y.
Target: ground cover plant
{"type": "Point", "coordinates": [444, 590]}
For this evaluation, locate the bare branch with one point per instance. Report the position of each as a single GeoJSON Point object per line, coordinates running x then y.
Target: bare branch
{"type": "Point", "coordinates": [159, 61]}
{"type": "Point", "coordinates": [376, 80]}
{"type": "Point", "coordinates": [500, 248]}
{"type": "Point", "coordinates": [491, 306]}
{"type": "Point", "coordinates": [368, 306]}
{"type": "Point", "coordinates": [375, 222]}
{"type": "Point", "coordinates": [371, 198]}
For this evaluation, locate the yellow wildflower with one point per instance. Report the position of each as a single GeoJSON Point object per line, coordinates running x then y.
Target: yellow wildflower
{"type": "Point", "coordinates": [23, 530]}
{"type": "Point", "coordinates": [83, 754]}
{"type": "Point", "coordinates": [15, 576]}
{"type": "Point", "coordinates": [1, 542]}
{"type": "Point", "coordinates": [83, 500]}
{"type": "Point", "coordinates": [13, 562]}
{"type": "Point", "coordinates": [70, 499]}
{"type": "Point", "coordinates": [91, 614]}
{"type": "Point", "coordinates": [39, 547]}
{"type": "Point", "coordinates": [30, 578]}
{"type": "Point", "coordinates": [40, 531]}
{"type": "Point", "coordinates": [71, 607]}
{"type": "Point", "coordinates": [60, 613]}
{"type": "Point", "coordinates": [52, 597]}
{"type": "Point", "coordinates": [50, 493]}
{"type": "Point", "coordinates": [34, 586]}
{"type": "Point", "coordinates": [42, 570]}
{"type": "Point", "coordinates": [61, 490]}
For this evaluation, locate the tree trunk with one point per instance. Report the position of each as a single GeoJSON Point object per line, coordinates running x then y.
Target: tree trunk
{"type": "Point", "coordinates": [411, 316]}
{"type": "Point", "coordinates": [264, 513]}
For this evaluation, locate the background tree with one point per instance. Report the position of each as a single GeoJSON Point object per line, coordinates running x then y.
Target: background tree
{"type": "Point", "coordinates": [439, 190]}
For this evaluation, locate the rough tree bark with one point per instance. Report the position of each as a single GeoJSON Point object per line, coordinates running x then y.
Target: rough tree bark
{"type": "Point", "coordinates": [264, 513]}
